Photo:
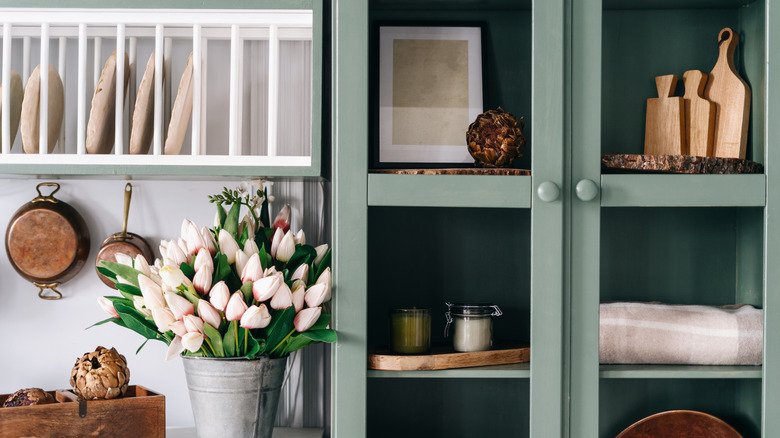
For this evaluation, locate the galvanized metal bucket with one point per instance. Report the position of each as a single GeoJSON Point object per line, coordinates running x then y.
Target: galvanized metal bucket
{"type": "Point", "coordinates": [234, 397]}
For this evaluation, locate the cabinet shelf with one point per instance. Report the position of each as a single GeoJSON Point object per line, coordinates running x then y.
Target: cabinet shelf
{"type": "Point", "coordinates": [683, 190]}
{"type": "Point", "coordinates": [679, 372]}
{"type": "Point", "coordinates": [449, 191]}
{"type": "Point", "coordinates": [513, 371]}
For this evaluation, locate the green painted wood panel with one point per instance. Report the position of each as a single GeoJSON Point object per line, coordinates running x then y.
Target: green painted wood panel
{"type": "Point", "coordinates": [449, 191]}
{"type": "Point", "coordinates": [584, 278]}
{"type": "Point", "coordinates": [350, 158]}
{"type": "Point", "coordinates": [512, 371]}
{"type": "Point", "coordinates": [683, 190]}
{"type": "Point", "coordinates": [679, 372]}
{"type": "Point", "coordinates": [548, 395]}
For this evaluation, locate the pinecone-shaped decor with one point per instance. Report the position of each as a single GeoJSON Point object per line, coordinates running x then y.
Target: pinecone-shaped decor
{"type": "Point", "coordinates": [102, 374]}
{"type": "Point", "coordinates": [28, 397]}
{"type": "Point", "coordinates": [495, 139]}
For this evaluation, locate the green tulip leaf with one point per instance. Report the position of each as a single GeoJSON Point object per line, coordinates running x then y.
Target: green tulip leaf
{"type": "Point", "coordinates": [188, 271]}
{"type": "Point", "coordinates": [229, 340]}
{"type": "Point", "coordinates": [295, 342]}
{"type": "Point", "coordinates": [280, 327]}
{"type": "Point", "coordinates": [136, 322]}
{"type": "Point", "coordinates": [215, 338]}
{"type": "Point", "coordinates": [194, 299]}
{"type": "Point", "coordinates": [252, 346]}
{"type": "Point", "coordinates": [106, 272]}
{"type": "Point", "coordinates": [116, 321]}
{"type": "Point", "coordinates": [124, 271]}
{"type": "Point", "coordinates": [303, 254]}
{"type": "Point", "coordinates": [324, 264]}
{"type": "Point", "coordinates": [221, 215]}
{"type": "Point", "coordinates": [142, 346]}
{"type": "Point", "coordinates": [322, 322]}
{"type": "Point", "coordinates": [263, 262]}
{"type": "Point", "coordinates": [264, 216]}
{"type": "Point", "coordinates": [243, 237]}
{"type": "Point", "coordinates": [246, 290]}
{"type": "Point", "coordinates": [129, 288]}
{"type": "Point", "coordinates": [326, 335]}
{"type": "Point", "coordinates": [231, 221]}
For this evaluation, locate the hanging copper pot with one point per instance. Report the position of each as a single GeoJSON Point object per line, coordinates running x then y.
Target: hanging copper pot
{"type": "Point", "coordinates": [123, 243]}
{"type": "Point", "coordinates": [47, 242]}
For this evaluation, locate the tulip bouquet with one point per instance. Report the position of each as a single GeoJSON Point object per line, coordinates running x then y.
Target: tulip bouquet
{"type": "Point", "coordinates": [239, 289]}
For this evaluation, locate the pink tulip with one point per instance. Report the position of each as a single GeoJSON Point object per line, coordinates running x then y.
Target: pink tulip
{"type": "Point", "coordinates": [178, 328]}
{"type": "Point", "coordinates": [179, 305]}
{"type": "Point", "coordinates": [123, 259]}
{"type": "Point", "coordinates": [173, 277]}
{"type": "Point", "coordinates": [209, 239]}
{"type": "Point", "coordinates": [298, 294]}
{"type": "Point", "coordinates": [282, 298]}
{"type": "Point", "coordinates": [247, 223]}
{"type": "Point", "coordinates": [276, 240]}
{"type": "Point", "coordinates": [141, 264]}
{"type": "Point", "coordinates": [193, 238]}
{"type": "Point", "coordinates": [241, 259]}
{"type": "Point", "coordinates": [321, 251]}
{"type": "Point", "coordinates": [228, 245]}
{"type": "Point", "coordinates": [286, 248]}
{"type": "Point", "coordinates": [282, 219]}
{"type": "Point", "coordinates": [192, 341]}
{"type": "Point", "coordinates": [138, 303]}
{"type": "Point", "coordinates": [265, 288]}
{"type": "Point", "coordinates": [202, 280]}
{"type": "Point", "coordinates": [253, 270]}
{"type": "Point", "coordinates": [250, 247]}
{"type": "Point", "coordinates": [219, 296]}
{"type": "Point", "coordinates": [175, 348]}
{"type": "Point", "coordinates": [108, 306]}
{"type": "Point", "coordinates": [235, 307]}
{"type": "Point", "coordinates": [162, 319]}
{"type": "Point", "coordinates": [174, 255]}
{"type": "Point", "coordinates": [210, 315]}
{"type": "Point", "coordinates": [315, 295]}
{"type": "Point", "coordinates": [256, 317]}
{"type": "Point", "coordinates": [269, 271]}
{"type": "Point", "coordinates": [324, 278]}
{"type": "Point", "coordinates": [151, 292]}
{"type": "Point", "coordinates": [193, 324]}
{"type": "Point", "coordinates": [300, 238]}
{"type": "Point", "coordinates": [306, 318]}
{"type": "Point", "coordinates": [301, 273]}
{"type": "Point", "coordinates": [203, 258]}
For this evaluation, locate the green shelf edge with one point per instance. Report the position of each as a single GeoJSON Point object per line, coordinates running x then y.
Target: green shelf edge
{"type": "Point", "coordinates": [664, 190]}
{"type": "Point", "coordinates": [513, 371]}
{"type": "Point", "coordinates": [680, 372]}
{"type": "Point", "coordinates": [480, 191]}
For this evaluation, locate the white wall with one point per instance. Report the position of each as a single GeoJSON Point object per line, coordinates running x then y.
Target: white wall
{"type": "Point", "coordinates": [42, 339]}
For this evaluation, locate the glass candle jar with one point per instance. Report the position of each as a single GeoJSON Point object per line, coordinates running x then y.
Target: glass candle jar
{"type": "Point", "coordinates": [473, 325]}
{"type": "Point", "coordinates": [410, 330]}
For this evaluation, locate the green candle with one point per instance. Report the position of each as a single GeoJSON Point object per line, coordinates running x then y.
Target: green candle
{"type": "Point", "coordinates": [410, 330]}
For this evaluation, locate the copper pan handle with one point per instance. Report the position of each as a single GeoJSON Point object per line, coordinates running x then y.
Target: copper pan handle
{"type": "Point", "coordinates": [128, 194]}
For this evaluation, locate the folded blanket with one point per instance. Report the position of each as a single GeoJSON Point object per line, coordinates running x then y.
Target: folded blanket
{"type": "Point", "coordinates": [652, 333]}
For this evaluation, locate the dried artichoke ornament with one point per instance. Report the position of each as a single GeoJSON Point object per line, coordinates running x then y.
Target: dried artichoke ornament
{"type": "Point", "coordinates": [101, 374]}
{"type": "Point", "coordinates": [28, 397]}
{"type": "Point", "coordinates": [495, 139]}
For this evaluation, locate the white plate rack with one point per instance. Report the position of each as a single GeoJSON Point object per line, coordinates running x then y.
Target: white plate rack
{"type": "Point", "coordinates": [256, 88]}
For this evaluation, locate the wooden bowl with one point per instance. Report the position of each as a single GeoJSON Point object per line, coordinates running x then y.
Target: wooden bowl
{"type": "Point", "coordinates": [680, 424]}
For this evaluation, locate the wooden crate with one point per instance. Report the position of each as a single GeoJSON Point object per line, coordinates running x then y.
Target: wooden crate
{"type": "Point", "coordinates": [139, 413]}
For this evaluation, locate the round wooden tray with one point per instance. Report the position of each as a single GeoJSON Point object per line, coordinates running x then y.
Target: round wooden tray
{"type": "Point", "coordinates": [680, 424]}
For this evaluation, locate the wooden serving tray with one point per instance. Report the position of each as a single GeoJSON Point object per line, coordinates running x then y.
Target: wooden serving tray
{"type": "Point", "coordinates": [464, 171]}
{"type": "Point", "coordinates": [444, 358]}
{"type": "Point", "coordinates": [138, 413]}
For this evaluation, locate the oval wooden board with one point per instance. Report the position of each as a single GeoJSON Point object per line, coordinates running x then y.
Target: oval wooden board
{"type": "Point", "coordinates": [30, 117]}
{"type": "Point", "coordinates": [100, 128]}
{"type": "Point", "coordinates": [680, 424]}
{"type": "Point", "coordinates": [17, 95]}
{"type": "Point", "coordinates": [182, 110]}
{"type": "Point", "coordinates": [143, 115]}
{"type": "Point", "coordinates": [443, 358]}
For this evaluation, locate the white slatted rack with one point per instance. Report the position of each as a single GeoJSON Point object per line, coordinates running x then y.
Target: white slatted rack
{"type": "Point", "coordinates": [162, 27]}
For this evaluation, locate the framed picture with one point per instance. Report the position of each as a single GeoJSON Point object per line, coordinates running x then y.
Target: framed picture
{"type": "Point", "coordinates": [430, 90]}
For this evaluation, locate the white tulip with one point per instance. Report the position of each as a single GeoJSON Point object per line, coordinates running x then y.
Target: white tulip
{"type": "Point", "coordinates": [192, 341]}
{"type": "Point", "coordinates": [203, 258]}
{"type": "Point", "coordinates": [240, 259]}
{"type": "Point", "coordinates": [321, 251]}
{"type": "Point", "coordinates": [301, 273]}
{"type": "Point", "coordinates": [250, 247]}
{"type": "Point", "coordinates": [282, 298]}
{"type": "Point", "coordinates": [162, 318]}
{"type": "Point", "coordinates": [265, 288]}
{"type": "Point", "coordinates": [252, 270]}
{"type": "Point", "coordinates": [276, 240]}
{"type": "Point", "coordinates": [123, 259]}
{"type": "Point", "coordinates": [306, 318]}
{"type": "Point", "coordinates": [151, 292]}
{"type": "Point", "coordinates": [209, 239]}
{"type": "Point", "coordinates": [300, 238]}
{"type": "Point", "coordinates": [174, 349]}
{"type": "Point", "coordinates": [286, 248]}
{"type": "Point", "coordinates": [228, 246]}
{"type": "Point", "coordinates": [141, 264]}
{"type": "Point", "coordinates": [316, 295]}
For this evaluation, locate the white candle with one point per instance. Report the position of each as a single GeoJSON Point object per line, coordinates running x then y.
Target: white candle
{"type": "Point", "coordinates": [473, 333]}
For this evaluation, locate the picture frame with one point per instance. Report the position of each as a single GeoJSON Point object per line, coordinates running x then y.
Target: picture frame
{"type": "Point", "coordinates": [428, 82]}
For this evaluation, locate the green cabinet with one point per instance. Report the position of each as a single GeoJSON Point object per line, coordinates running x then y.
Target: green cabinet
{"type": "Point", "coordinates": [580, 73]}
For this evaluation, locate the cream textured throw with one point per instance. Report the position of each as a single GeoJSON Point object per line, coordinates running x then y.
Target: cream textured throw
{"type": "Point", "coordinates": [652, 333]}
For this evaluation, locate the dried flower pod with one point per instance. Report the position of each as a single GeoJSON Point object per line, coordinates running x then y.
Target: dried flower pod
{"type": "Point", "coordinates": [28, 397]}
{"type": "Point", "coordinates": [101, 374]}
{"type": "Point", "coordinates": [495, 139]}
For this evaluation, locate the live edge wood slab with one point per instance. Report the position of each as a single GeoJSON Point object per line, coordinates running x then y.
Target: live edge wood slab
{"type": "Point", "coordinates": [443, 358]}
{"type": "Point", "coordinates": [467, 171]}
{"type": "Point", "coordinates": [139, 413]}
{"type": "Point", "coordinates": [631, 163]}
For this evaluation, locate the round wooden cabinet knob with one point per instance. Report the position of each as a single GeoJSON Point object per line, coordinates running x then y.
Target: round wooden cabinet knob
{"type": "Point", "coordinates": [586, 190]}
{"type": "Point", "coordinates": [548, 191]}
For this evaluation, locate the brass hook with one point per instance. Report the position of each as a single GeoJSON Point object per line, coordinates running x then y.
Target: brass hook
{"type": "Point", "coordinates": [50, 286]}
{"type": "Point", "coordinates": [50, 196]}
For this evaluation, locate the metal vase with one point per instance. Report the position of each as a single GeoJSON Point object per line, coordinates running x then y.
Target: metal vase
{"type": "Point", "coordinates": [234, 397]}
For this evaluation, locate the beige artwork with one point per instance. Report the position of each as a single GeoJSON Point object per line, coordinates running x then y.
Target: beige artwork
{"type": "Point", "coordinates": [430, 92]}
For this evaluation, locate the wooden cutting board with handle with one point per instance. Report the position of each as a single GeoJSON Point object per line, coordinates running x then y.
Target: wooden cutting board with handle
{"type": "Point", "coordinates": [731, 96]}
{"type": "Point", "coordinates": [699, 114]}
{"type": "Point", "coordinates": [665, 120]}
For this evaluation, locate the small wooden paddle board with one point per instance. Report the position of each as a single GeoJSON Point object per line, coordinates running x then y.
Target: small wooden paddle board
{"type": "Point", "coordinates": [665, 120]}
{"type": "Point", "coordinates": [699, 114]}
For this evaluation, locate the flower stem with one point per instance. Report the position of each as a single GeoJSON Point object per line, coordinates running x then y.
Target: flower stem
{"type": "Point", "coordinates": [208, 343]}
{"type": "Point", "coordinates": [236, 326]}
{"type": "Point", "coordinates": [281, 342]}
{"type": "Point", "coordinates": [246, 335]}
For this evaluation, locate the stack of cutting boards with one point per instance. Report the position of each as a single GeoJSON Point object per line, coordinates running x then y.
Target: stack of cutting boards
{"type": "Point", "coordinates": [710, 119]}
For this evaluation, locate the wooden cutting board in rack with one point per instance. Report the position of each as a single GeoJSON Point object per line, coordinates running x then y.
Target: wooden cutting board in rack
{"type": "Point", "coordinates": [665, 120]}
{"type": "Point", "coordinates": [443, 358]}
{"type": "Point", "coordinates": [731, 96]}
{"type": "Point", "coordinates": [699, 115]}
